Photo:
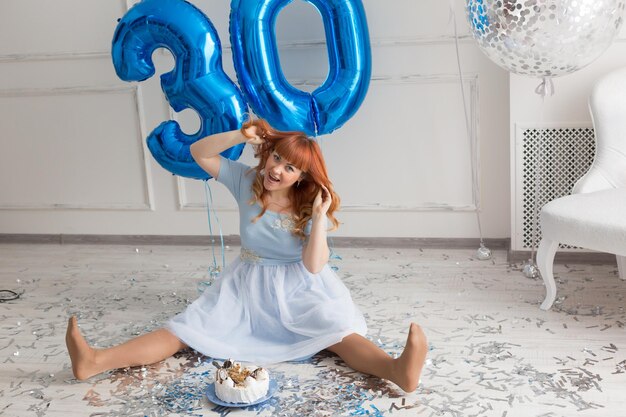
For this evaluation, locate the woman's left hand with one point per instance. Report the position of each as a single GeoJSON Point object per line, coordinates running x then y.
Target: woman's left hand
{"type": "Point", "coordinates": [322, 201]}
{"type": "Point", "coordinates": [253, 135]}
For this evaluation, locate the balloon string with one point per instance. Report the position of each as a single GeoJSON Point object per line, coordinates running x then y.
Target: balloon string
{"type": "Point", "coordinates": [315, 128]}
{"type": "Point", "coordinates": [210, 206]}
{"type": "Point", "coordinates": [219, 226]}
{"type": "Point", "coordinates": [545, 88]}
{"type": "Point", "coordinates": [451, 14]}
{"type": "Point", "coordinates": [471, 138]}
{"type": "Point", "coordinates": [329, 239]}
{"type": "Point", "coordinates": [538, 172]}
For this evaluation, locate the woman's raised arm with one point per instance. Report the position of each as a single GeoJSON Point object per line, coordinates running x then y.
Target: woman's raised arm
{"type": "Point", "coordinates": [206, 151]}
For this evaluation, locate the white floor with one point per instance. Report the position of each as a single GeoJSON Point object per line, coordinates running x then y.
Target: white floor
{"type": "Point", "coordinates": [493, 352]}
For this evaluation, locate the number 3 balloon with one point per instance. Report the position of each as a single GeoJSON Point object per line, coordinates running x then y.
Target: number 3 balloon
{"type": "Point", "coordinates": [270, 95]}
{"type": "Point", "coordinates": [197, 80]}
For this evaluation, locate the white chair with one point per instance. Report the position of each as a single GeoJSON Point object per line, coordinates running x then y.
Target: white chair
{"type": "Point", "coordinates": [594, 215]}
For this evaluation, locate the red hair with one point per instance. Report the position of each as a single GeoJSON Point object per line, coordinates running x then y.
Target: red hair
{"type": "Point", "coordinates": [305, 154]}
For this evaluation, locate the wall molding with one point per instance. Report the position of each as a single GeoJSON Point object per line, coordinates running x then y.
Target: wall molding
{"type": "Point", "coordinates": [63, 91]}
{"type": "Point", "coordinates": [54, 56]}
{"type": "Point", "coordinates": [383, 42]}
{"type": "Point", "coordinates": [304, 44]}
{"type": "Point", "coordinates": [135, 92]}
{"type": "Point", "coordinates": [470, 80]}
{"type": "Point", "coordinates": [307, 44]}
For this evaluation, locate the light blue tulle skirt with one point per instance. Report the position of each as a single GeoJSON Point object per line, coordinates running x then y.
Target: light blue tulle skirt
{"type": "Point", "coordinates": [269, 313]}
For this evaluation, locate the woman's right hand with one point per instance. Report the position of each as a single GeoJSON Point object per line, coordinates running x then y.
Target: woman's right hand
{"type": "Point", "coordinates": [322, 201]}
{"type": "Point", "coordinates": [252, 135]}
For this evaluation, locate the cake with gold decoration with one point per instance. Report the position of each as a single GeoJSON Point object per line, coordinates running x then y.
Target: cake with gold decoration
{"type": "Point", "coordinates": [235, 383]}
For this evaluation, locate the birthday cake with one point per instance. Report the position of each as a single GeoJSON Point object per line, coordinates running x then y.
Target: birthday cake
{"type": "Point", "coordinates": [237, 384]}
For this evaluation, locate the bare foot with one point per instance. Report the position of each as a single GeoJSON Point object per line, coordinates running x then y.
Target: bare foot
{"type": "Point", "coordinates": [408, 367]}
{"type": "Point", "coordinates": [83, 356]}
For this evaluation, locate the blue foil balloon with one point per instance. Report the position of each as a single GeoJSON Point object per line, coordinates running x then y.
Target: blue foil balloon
{"type": "Point", "coordinates": [262, 81]}
{"type": "Point", "coordinates": [197, 81]}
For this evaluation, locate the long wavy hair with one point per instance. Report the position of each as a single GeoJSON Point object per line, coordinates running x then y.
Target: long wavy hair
{"type": "Point", "coordinates": [305, 154]}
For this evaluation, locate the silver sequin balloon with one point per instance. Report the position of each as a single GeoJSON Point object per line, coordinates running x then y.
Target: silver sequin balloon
{"type": "Point", "coordinates": [544, 38]}
{"type": "Point", "coordinates": [530, 269]}
{"type": "Point", "coordinates": [483, 253]}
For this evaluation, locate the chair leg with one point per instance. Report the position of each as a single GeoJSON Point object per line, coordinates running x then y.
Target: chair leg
{"type": "Point", "coordinates": [621, 266]}
{"type": "Point", "coordinates": [545, 258]}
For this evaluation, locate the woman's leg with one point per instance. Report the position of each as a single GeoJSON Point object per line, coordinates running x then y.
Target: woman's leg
{"type": "Point", "coordinates": [143, 350]}
{"type": "Point", "coordinates": [364, 356]}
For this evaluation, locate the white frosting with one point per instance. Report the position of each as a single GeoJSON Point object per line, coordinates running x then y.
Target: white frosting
{"type": "Point", "coordinates": [252, 390]}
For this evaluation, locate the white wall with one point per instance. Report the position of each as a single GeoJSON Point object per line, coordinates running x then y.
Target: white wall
{"type": "Point", "coordinates": [569, 102]}
{"type": "Point", "coordinates": [74, 159]}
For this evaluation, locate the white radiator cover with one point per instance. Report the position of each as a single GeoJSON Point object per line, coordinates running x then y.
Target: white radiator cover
{"type": "Point", "coordinates": [546, 162]}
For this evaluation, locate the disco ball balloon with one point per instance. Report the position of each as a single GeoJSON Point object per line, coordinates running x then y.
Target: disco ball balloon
{"type": "Point", "coordinates": [544, 38]}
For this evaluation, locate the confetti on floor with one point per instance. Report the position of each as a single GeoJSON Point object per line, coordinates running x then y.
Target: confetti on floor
{"type": "Point", "coordinates": [493, 352]}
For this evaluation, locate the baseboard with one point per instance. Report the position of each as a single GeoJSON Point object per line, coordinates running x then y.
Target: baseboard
{"type": "Point", "coordinates": [410, 242]}
{"type": "Point", "coordinates": [567, 257]}
{"type": "Point", "coordinates": [339, 241]}
{"type": "Point", "coordinates": [63, 239]}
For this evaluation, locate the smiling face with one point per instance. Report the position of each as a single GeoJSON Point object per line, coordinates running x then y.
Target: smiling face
{"type": "Point", "coordinates": [279, 173]}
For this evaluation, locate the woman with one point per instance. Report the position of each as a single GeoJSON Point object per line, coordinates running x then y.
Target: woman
{"type": "Point", "coordinates": [280, 300]}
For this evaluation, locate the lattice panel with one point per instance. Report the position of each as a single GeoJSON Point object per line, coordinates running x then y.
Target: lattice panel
{"type": "Point", "coordinates": [552, 161]}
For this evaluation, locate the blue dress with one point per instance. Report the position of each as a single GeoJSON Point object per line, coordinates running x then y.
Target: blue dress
{"type": "Point", "coordinates": [266, 307]}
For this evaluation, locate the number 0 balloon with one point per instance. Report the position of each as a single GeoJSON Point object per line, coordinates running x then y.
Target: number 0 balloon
{"type": "Point", "coordinates": [197, 80]}
{"type": "Point", "coordinates": [262, 81]}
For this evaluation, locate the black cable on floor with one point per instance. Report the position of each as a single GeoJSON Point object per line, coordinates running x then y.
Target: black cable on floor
{"type": "Point", "coordinates": [8, 295]}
